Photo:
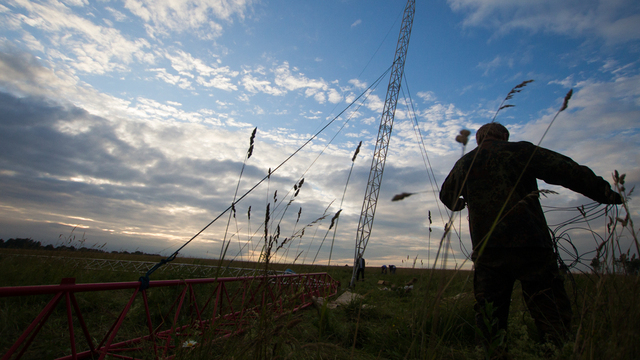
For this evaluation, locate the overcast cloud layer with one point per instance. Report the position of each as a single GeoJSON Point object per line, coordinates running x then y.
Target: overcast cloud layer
{"type": "Point", "coordinates": [129, 121]}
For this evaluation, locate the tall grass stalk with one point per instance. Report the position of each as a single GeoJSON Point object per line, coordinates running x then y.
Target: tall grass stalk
{"type": "Point", "coordinates": [337, 217]}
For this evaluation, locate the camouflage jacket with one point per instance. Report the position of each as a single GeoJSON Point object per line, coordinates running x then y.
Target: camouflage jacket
{"type": "Point", "coordinates": [501, 187]}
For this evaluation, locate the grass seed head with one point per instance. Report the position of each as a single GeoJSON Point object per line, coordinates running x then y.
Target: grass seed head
{"type": "Point", "coordinates": [401, 196]}
{"type": "Point", "coordinates": [463, 138]}
{"type": "Point", "coordinates": [356, 152]}
{"type": "Point", "coordinates": [334, 218]}
{"type": "Point", "coordinates": [565, 104]}
{"type": "Point", "coordinates": [251, 140]}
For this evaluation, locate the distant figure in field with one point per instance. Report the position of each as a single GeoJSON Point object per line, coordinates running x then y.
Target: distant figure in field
{"type": "Point", "coordinates": [360, 271]}
{"type": "Point", "coordinates": [497, 181]}
{"type": "Point", "coordinates": [384, 269]}
{"type": "Point", "coordinates": [392, 269]}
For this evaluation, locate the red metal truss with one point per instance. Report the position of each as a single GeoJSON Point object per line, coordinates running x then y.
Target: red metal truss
{"type": "Point", "coordinates": [204, 309]}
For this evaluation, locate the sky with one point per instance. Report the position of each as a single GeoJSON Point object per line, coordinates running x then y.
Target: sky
{"type": "Point", "coordinates": [125, 125]}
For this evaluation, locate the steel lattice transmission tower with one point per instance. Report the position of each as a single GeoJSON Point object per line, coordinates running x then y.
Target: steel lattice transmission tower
{"type": "Point", "coordinates": [384, 133]}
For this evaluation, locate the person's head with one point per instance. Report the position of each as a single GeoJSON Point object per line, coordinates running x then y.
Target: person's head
{"type": "Point", "coordinates": [492, 131]}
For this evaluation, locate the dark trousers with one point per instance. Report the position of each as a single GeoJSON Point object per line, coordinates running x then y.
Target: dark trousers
{"type": "Point", "coordinates": [359, 272]}
{"type": "Point", "coordinates": [496, 271]}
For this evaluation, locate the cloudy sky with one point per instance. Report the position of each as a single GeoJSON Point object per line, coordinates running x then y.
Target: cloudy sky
{"type": "Point", "coordinates": [130, 120]}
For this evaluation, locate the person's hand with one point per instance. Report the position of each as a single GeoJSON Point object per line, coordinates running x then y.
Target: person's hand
{"type": "Point", "coordinates": [460, 204]}
{"type": "Point", "coordinates": [612, 197]}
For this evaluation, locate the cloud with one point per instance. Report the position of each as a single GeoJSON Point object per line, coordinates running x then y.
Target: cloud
{"type": "Point", "coordinates": [375, 103]}
{"type": "Point", "coordinates": [95, 49]}
{"type": "Point", "coordinates": [369, 120]}
{"type": "Point", "coordinates": [22, 73]}
{"type": "Point", "coordinates": [567, 82]}
{"type": "Point", "coordinates": [32, 43]}
{"type": "Point", "coordinates": [254, 85]}
{"type": "Point", "coordinates": [67, 164]}
{"type": "Point", "coordinates": [286, 80]}
{"type": "Point", "coordinates": [334, 96]}
{"type": "Point", "coordinates": [187, 65]}
{"type": "Point", "coordinates": [356, 23]}
{"type": "Point", "coordinates": [117, 15]}
{"type": "Point", "coordinates": [163, 75]}
{"type": "Point", "coordinates": [219, 82]}
{"type": "Point", "coordinates": [358, 84]}
{"type": "Point", "coordinates": [234, 123]}
{"type": "Point", "coordinates": [289, 81]}
{"type": "Point", "coordinates": [163, 17]}
{"type": "Point", "coordinates": [427, 96]}
{"type": "Point", "coordinates": [494, 64]}
{"type": "Point", "coordinates": [608, 20]}
{"type": "Point", "coordinates": [76, 2]}
{"type": "Point", "coordinates": [319, 97]}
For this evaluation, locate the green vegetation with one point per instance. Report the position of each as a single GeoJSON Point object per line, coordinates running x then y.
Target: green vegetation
{"type": "Point", "coordinates": [434, 320]}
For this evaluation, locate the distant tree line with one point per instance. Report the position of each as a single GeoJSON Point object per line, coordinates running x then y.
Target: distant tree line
{"type": "Point", "coordinates": [629, 265]}
{"type": "Point", "coordinates": [31, 244]}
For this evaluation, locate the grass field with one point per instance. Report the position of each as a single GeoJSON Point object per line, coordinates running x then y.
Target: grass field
{"type": "Point", "coordinates": [434, 320]}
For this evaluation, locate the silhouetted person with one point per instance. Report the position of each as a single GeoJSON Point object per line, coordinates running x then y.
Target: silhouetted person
{"type": "Point", "coordinates": [360, 270]}
{"type": "Point", "coordinates": [509, 233]}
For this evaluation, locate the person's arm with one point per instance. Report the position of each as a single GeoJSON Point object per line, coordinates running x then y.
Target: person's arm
{"type": "Point", "coordinates": [450, 190]}
{"type": "Point", "coordinates": [557, 169]}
